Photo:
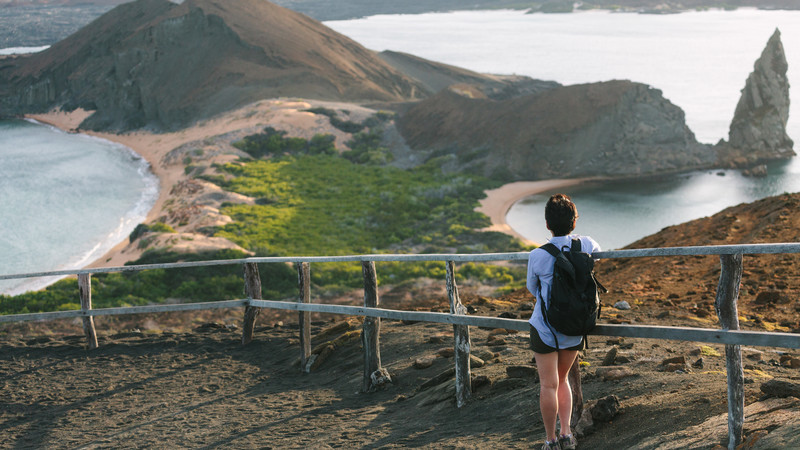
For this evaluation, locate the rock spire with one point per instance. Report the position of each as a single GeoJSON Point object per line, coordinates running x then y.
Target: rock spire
{"type": "Point", "coordinates": [758, 129]}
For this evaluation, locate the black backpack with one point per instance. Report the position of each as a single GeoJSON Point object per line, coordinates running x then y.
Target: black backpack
{"type": "Point", "coordinates": [574, 303]}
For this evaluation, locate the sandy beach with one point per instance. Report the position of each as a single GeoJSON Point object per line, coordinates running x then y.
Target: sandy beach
{"type": "Point", "coordinates": [499, 201]}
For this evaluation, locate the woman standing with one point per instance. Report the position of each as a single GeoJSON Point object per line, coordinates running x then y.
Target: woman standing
{"type": "Point", "coordinates": [554, 352]}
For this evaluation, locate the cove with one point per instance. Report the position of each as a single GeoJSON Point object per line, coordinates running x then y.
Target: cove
{"type": "Point", "coordinates": [617, 213]}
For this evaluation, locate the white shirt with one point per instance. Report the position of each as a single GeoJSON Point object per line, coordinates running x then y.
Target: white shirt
{"type": "Point", "coordinates": [540, 275]}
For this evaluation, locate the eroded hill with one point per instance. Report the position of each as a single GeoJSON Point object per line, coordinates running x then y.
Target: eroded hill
{"type": "Point", "coordinates": [164, 65]}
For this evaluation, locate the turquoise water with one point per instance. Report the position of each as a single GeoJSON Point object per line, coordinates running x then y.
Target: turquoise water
{"type": "Point", "coordinates": [619, 213]}
{"type": "Point", "coordinates": [66, 199]}
{"type": "Point", "coordinates": [700, 60]}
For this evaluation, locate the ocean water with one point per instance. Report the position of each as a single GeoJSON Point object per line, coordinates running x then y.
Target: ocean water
{"type": "Point", "coordinates": [619, 213]}
{"type": "Point", "coordinates": [66, 199]}
{"type": "Point", "coordinates": [699, 60]}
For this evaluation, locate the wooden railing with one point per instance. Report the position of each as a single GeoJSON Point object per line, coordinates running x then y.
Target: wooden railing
{"type": "Point", "coordinates": [725, 306]}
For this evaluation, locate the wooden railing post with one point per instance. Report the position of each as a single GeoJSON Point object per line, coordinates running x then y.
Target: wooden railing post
{"type": "Point", "coordinates": [574, 378]}
{"type": "Point", "coordinates": [85, 292]}
{"type": "Point", "coordinates": [461, 340]}
{"type": "Point", "coordinates": [304, 282]}
{"type": "Point", "coordinates": [252, 289]}
{"type": "Point", "coordinates": [370, 333]}
{"type": "Point", "coordinates": [727, 297]}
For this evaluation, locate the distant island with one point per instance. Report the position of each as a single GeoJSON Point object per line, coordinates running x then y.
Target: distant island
{"type": "Point", "coordinates": [44, 22]}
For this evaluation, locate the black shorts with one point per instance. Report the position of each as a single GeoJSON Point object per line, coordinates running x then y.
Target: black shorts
{"type": "Point", "coordinates": [538, 346]}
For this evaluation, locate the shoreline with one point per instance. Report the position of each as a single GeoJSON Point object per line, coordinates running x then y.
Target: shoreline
{"type": "Point", "coordinates": [143, 144]}
{"type": "Point", "coordinates": [499, 201]}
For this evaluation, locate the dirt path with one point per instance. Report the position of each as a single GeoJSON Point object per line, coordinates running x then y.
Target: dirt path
{"type": "Point", "coordinates": [202, 389]}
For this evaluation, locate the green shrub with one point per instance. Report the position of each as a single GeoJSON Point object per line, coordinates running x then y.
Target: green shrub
{"type": "Point", "coordinates": [272, 142]}
{"type": "Point", "coordinates": [367, 148]}
{"type": "Point", "coordinates": [161, 227]}
{"type": "Point", "coordinates": [344, 125]}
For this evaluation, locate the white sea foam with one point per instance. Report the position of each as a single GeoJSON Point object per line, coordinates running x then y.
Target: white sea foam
{"type": "Point", "coordinates": [68, 199]}
{"type": "Point", "coordinates": [22, 50]}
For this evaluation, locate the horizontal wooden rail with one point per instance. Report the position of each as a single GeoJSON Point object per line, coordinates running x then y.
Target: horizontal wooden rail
{"type": "Point", "coordinates": [710, 335]}
{"type": "Point", "coordinates": [123, 310]}
{"type": "Point", "coordinates": [716, 336]}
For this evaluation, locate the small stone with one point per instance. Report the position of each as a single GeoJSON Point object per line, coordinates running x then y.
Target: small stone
{"type": "Point", "coordinates": [475, 362]}
{"type": "Point", "coordinates": [480, 381]}
{"type": "Point", "coordinates": [498, 331]}
{"type": "Point", "coordinates": [446, 352]}
{"type": "Point", "coordinates": [424, 362]}
{"type": "Point", "coordinates": [674, 367]}
{"type": "Point", "coordinates": [471, 309]}
{"type": "Point", "coordinates": [507, 315]}
{"type": "Point", "coordinates": [612, 373]}
{"type": "Point", "coordinates": [699, 364]}
{"type": "Point", "coordinates": [606, 409]}
{"type": "Point", "coordinates": [380, 377]}
{"type": "Point", "coordinates": [625, 357]}
{"type": "Point", "coordinates": [495, 341]}
{"type": "Point", "coordinates": [781, 388]}
{"type": "Point", "coordinates": [610, 357]}
{"type": "Point", "coordinates": [522, 372]}
{"type": "Point", "coordinates": [770, 298]}
{"type": "Point", "coordinates": [792, 363]}
{"type": "Point", "coordinates": [623, 305]}
{"type": "Point", "coordinates": [755, 356]}
{"type": "Point", "coordinates": [436, 340]}
{"type": "Point", "coordinates": [485, 355]}
{"type": "Point", "coordinates": [674, 360]}
{"type": "Point", "coordinates": [527, 306]}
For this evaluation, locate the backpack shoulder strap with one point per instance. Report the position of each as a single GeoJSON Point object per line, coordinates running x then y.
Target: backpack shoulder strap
{"type": "Point", "coordinates": [576, 245]}
{"type": "Point", "coordinates": [551, 248]}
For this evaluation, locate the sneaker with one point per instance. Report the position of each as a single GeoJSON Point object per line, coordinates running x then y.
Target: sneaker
{"type": "Point", "coordinates": [567, 442]}
{"type": "Point", "coordinates": [550, 445]}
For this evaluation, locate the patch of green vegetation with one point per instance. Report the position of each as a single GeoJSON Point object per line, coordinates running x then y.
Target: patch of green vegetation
{"type": "Point", "coordinates": [194, 284]}
{"type": "Point", "coordinates": [158, 227]}
{"type": "Point", "coordinates": [344, 125]}
{"type": "Point", "coordinates": [272, 142]}
{"type": "Point", "coordinates": [706, 350]}
{"type": "Point", "coordinates": [366, 148]}
{"type": "Point", "coordinates": [326, 205]}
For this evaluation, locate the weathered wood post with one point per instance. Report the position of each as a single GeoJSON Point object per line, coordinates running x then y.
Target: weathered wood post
{"type": "Point", "coordinates": [727, 297]}
{"type": "Point", "coordinates": [574, 378]}
{"type": "Point", "coordinates": [85, 292]}
{"type": "Point", "coordinates": [252, 289]}
{"type": "Point", "coordinates": [370, 333]}
{"type": "Point", "coordinates": [461, 340]}
{"type": "Point", "coordinates": [304, 282]}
